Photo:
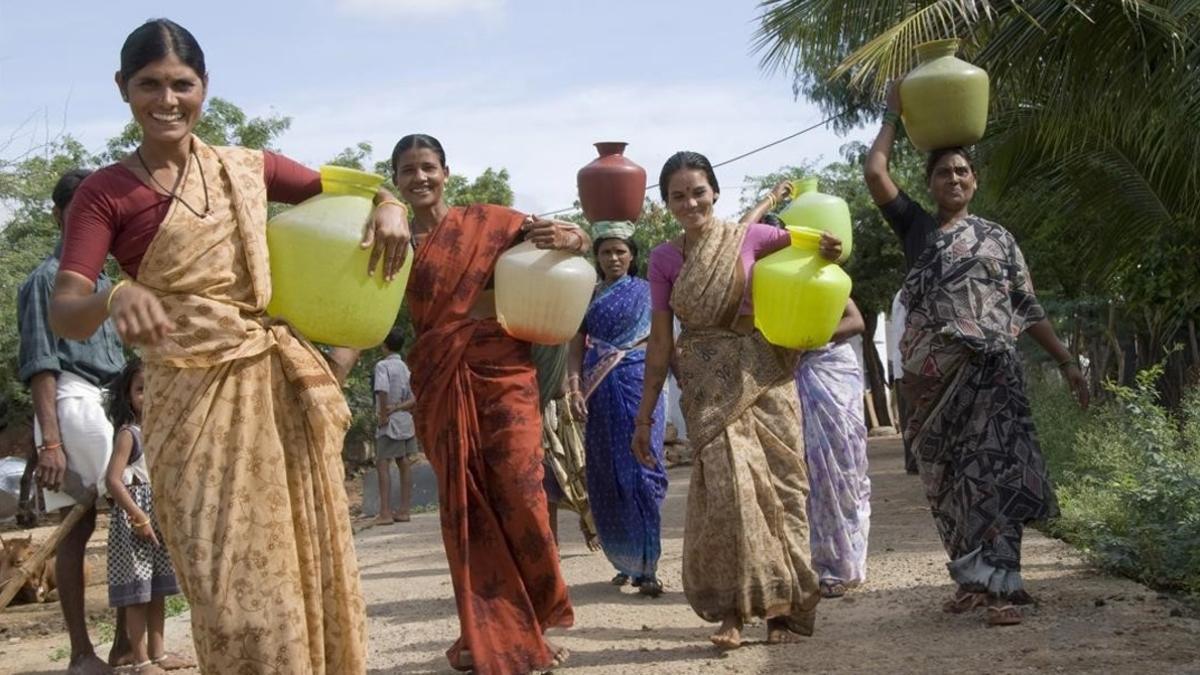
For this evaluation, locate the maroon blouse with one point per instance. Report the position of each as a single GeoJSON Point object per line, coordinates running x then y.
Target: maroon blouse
{"type": "Point", "coordinates": [114, 211]}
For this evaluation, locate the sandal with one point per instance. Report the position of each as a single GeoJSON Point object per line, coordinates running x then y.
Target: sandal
{"type": "Point", "coordinates": [833, 590]}
{"type": "Point", "coordinates": [621, 579]}
{"type": "Point", "coordinates": [1004, 615]}
{"type": "Point", "coordinates": [964, 601]}
{"type": "Point", "coordinates": [169, 661]}
{"type": "Point", "coordinates": [650, 586]}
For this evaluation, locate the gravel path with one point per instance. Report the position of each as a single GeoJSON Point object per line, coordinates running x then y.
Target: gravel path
{"type": "Point", "coordinates": [1087, 621]}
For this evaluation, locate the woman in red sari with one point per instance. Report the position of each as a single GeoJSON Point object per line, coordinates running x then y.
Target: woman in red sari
{"type": "Point", "coordinates": [478, 418]}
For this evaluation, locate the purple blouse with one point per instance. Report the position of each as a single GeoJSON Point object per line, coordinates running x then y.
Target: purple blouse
{"type": "Point", "coordinates": [666, 260]}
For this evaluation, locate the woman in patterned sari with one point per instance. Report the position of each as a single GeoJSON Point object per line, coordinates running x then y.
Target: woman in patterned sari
{"type": "Point", "coordinates": [745, 549]}
{"type": "Point", "coordinates": [969, 297]}
{"type": "Point", "coordinates": [479, 422]}
{"type": "Point", "coordinates": [605, 387]}
{"type": "Point", "coordinates": [244, 420]}
{"type": "Point", "coordinates": [829, 382]}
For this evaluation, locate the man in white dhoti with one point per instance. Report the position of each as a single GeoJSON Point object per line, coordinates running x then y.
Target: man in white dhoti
{"type": "Point", "coordinates": [71, 429]}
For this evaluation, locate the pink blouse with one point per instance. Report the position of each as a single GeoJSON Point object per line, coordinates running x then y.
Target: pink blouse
{"type": "Point", "coordinates": [666, 260]}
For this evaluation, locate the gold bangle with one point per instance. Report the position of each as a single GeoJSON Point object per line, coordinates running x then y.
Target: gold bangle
{"type": "Point", "coordinates": [112, 292]}
{"type": "Point", "coordinates": [397, 202]}
{"type": "Point", "coordinates": [771, 198]}
{"type": "Point", "coordinates": [139, 523]}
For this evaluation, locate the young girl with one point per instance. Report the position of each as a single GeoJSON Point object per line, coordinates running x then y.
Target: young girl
{"type": "Point", "coordinates": [140, 576]}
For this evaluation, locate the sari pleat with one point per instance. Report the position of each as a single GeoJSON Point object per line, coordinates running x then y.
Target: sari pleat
{"type": "Point", "coordinates": [478, 418]}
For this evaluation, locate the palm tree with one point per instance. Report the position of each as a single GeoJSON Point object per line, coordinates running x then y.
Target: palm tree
{"type": "Point", "coordinates": [1096, 99]}
{"type": "Point", "coordinates": [1094, 115]}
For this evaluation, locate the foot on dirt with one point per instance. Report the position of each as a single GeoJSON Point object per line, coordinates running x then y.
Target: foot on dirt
{"type": "Point", "coordinates": [964, 601]}
{"type": "Point", "coordinates": [730, 634]}
{"type": "Point", "coordinates": [384, 519]}
{"type": "Point", "coordinates": [144, 668]}
{"type": "Point", "coordinates": [402, 518]}
{"type": "Point", "coordinates": [778, 632]}
{"type": "Point", "coordinates": [832, 589]}
{"type": "Point", "coordinates": [1003, 615]}
{"type": "Point", "coordinates": [170, 661]}
{"type": "Point", "coordinates": [124, 658]}
{"type": "Point", "coordinates": [650, 586]}
{"type": "Point", "coordinates": [560, 657]}
{"type": "Point", "coordinates": [88, 664]}
{"type": "Point", "coordinates": [620, 580]}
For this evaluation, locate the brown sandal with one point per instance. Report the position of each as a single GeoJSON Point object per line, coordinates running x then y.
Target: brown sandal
{"type": "Point", "coordinates": [964, 601]}
{"type": "Point", "coordinates": [1004, 615]}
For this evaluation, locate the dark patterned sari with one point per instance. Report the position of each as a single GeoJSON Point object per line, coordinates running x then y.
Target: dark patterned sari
{"type": "Point", "coordinates": [969, 297]}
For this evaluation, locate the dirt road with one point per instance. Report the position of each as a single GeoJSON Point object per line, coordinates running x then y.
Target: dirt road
{"type": "Point", "coordinates": [1087, 621]}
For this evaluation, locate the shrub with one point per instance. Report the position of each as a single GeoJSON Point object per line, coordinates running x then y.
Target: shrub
{"type": "Point", "coordinates": [1128, 477]}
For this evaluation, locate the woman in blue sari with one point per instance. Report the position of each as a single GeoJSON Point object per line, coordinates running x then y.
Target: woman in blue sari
{"type": "Point", "coordinates": [608, 367]}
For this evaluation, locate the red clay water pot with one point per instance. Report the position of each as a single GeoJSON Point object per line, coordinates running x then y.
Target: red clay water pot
{"type": "Point", "coordinates": [611, 187]}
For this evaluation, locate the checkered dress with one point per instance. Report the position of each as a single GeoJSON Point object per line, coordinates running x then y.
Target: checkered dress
{"type": "Point", "coordinates": [137, 569]}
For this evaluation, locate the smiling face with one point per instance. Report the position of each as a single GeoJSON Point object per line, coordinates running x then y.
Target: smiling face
{"type": "Point", "coordinates": [690, 198]}
{"type": "Point", "coordinates": [952, 183]}
{"type": "Point", "coordinates": [614, 257]}
{"type": "Point", "coordinates": [166, 98]}
{"type": "Point", "coordinates": [421, 177]}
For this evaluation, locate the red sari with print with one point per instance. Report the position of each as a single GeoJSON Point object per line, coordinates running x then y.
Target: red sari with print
{"type": "Point", "coordinates": [477, 417]}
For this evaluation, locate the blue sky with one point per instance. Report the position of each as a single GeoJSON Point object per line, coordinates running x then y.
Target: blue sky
{"type": "Point", "coordinates": [527, 85]}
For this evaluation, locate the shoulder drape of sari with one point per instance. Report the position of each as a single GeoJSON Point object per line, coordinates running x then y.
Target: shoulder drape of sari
{"type": "Point", "coordinates": [969, 297]}
{"type": "Point", "coordinates": [243, 429]}
{"type": "Point", "coordinates": [478, 419]}
{"type": "Point", "coordinates": [617, 320]}
{"type": "Point", "coordinates": [746, 549]}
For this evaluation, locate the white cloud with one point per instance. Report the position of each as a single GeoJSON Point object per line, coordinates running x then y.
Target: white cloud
{"type": "Point", "coordinates": [420, 7]}
{"type": "Point", "coordinates": [544, 140]}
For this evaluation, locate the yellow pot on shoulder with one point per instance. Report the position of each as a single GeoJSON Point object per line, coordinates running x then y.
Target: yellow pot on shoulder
{"type": "Point", "coordinates": [319, 272]}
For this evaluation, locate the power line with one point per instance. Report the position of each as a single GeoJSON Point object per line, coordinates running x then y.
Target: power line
{"type": "Point", "coordinates": [744, 155]}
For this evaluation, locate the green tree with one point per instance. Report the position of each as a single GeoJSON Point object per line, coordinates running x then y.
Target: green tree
{"type": "Point", "coordinates": [27, 236]}
{"type": "Point", "coordinates": [489, 187]}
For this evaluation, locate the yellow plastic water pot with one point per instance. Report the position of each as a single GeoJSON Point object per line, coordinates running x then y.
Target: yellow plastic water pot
{"type": "Point", "coordinates": [944, 100]}
{"type": "Point", "coordinates": [799, 297]}
{"type": "Point", "coordinates": [542, 295]}
{"type": "Point", "coordinates": [319, 272]}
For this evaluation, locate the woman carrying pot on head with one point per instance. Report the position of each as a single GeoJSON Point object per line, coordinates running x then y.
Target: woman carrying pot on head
{"type": "Point", "coordinates": [746, 535]}
{"type": "Point", "coordinates": [478, 420]}
{"type": "Point", "coordinates": [969, 297]}
{"type": "Point", "coordinates": [605, 385]}
{"type": "Point", "coordinates": [244, 418]}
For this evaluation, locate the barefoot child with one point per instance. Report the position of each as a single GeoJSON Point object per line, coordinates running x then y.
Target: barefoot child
{"type": "Point", "coordinates": [140, 576]}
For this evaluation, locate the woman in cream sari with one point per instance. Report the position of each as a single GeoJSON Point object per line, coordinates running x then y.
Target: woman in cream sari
{"type": "Point", "coordinates": [244, 419]}
{"type": "Point", "coordinates": [746, 543]}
